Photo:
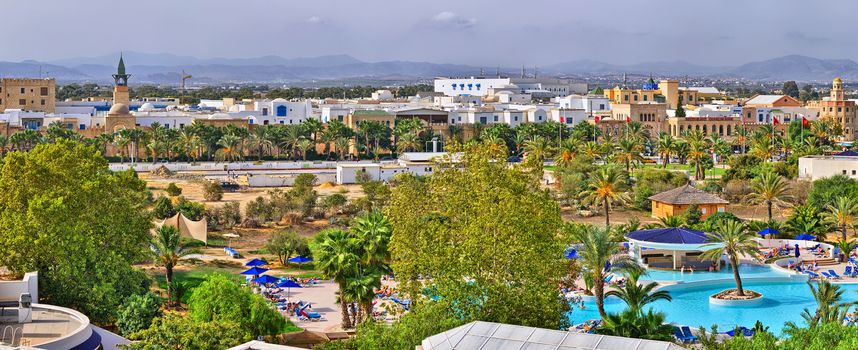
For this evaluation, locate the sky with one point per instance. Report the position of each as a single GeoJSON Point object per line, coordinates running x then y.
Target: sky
{"type": "Point", "coordinates": [474, 32]}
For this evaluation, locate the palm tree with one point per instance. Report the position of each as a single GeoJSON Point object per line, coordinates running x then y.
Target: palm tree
{"type": "Point", "coordinates": [770, 189]}
{"type": "Point", "coordinates": [407, 143]}
{"type": "Point", "coordinates": [567, 152]}
{"type": "Point", "coordinates": [628, 152]}
{"type": "Point", "coordinates": [670, 221]}
{"type": "Point", "coordinates": [334, 251]}
{"type": "Point", "coordinates": [373, 230]}
{"type": "Point", "coordinates": [230, 148]}
{"type": "Point", "coordinates": [740, 137]}
{"type": "Point", "coordinates": [592, 150]}
{"type": "Point", "coordinates": [595, 250]}
{"type": "Point", "coordinates": [698, 150]}
{"type": "Point", "coordinates": [304, 146]}
{"type": "Point", "coordinates": [829, 308]}
{"type": "Point", "coordinates": [732, 239]}
{"type": "Point", "coordinates": [649, 325]}
{"type": "Point", "coordinates": [637, 295]}
{"type": "Point", "coordinates": [342, 146]}
{"type": "Point", "coordinates": [841, 214]}
{"type": "Point", "coordinates": [605, 189]}
{"type": "Point", "coordinates": [666, 146]}
{"type": "Point", "coordinates": [168, 249]}
{"type": "Point", "coordinates": [313, 127]}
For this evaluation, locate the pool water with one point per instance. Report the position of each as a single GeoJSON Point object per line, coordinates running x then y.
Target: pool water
{"type": "Point", "coordinates": [726, 272]}
{"type": "Point", "coordinates": [690, 306]}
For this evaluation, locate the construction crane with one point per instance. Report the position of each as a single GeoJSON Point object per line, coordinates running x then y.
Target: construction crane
{"type": "Point", "coordinates": [185, 76]}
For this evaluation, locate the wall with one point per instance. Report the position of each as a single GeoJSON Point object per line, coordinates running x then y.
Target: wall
{"type": "Point", "coordinates": [33, 96]}
{"type": "Point", "coordinates": [660, 210]}
{"type": "Point", "coordinates": [11, 290]}
{"type": "Point", "coordinates": [216, 166]}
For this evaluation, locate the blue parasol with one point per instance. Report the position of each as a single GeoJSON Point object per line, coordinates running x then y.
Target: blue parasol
{"type": "Point", "coordinates": [805, 237]}
{"type": "Point", "coordinates": [288, 284]}
{"type": "Point", "coordinates": [254, 271]}
{"type": "Point", "coordinates": [768, 231]}
{"type": "Point", "coordinates": [299, 259]}
{"type": "Point", "coordinates": [256, 262]}
{"type": "Point", "coordinates": [265, 279]}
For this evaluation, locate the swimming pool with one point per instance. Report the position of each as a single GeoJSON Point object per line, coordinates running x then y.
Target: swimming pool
{"type": "Point", "coordinates": [783, 301]}
{"type": "Point", "coordinates": [747, 271]}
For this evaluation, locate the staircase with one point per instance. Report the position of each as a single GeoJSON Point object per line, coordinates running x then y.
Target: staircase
{"type": "Point", "coordinates": [821, 261]}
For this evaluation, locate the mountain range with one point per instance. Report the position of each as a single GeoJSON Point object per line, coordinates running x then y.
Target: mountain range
{"type": "Point", "coordinates": [164, 68]}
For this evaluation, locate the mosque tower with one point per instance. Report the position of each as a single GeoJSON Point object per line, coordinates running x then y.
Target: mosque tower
{"type": "Point", "coordinates": [120, 88]}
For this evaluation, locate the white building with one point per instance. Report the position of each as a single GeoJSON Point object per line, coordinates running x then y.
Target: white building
{"type": "Point", "coordinates": [818, 167]}
{"type": "Point", "coordinates": [479, 86]}
{"type": "Point", "coordinates": [281, 111]}
{"type": "Point", "coordinates": [415, 163]}
{"type": "Point", "coordinates": [382, 95]}
{"type": "Point", "coordinates": [588, 103]}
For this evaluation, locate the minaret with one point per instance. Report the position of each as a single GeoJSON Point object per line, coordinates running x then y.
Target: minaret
{"type": "Point", "coordinates": [837, 90]}
{"type": "Point", "coordinates": [120, 88]}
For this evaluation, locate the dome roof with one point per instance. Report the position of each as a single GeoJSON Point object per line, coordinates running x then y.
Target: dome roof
{"type": "Point", "coordinates": [837, 80]}
{"type": "Point", "coordinates": [118, 108]}
{"type": "Point", "coordinates": [148, 106]}
{"type": "Point", "coordinates": [220, 116]}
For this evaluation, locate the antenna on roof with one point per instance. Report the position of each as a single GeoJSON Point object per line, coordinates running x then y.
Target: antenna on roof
{"type": "Point", "coordinates": [535, 70]}
{"type": "Point", "coordinates": [624, 80]}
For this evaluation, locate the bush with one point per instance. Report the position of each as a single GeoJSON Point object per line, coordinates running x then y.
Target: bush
{"type": "Point", "coordinates": [212, 192]}
{"type": "Point", "coordinates": [191, 210]}
{"type": "Point", "coordinates": [304, 182]}
{"type": "Point", "coordinates": [220, 299]}
{"type": "Point", "coordinates": [181, 332]}
{"type": "Point", "coordinates": [736, 190]}
{"type": "Point", "coordinates": [824, 191]}
{"type": "Point", "coordinates": [712, 187]}
{"type": "Point", "coordinates": [259, 209]}
{"type": "Point", "coordinates": [173, 190]}
{"type": "Point", "coordinates": [230, 214]}
{"type": "Point", "coordinates": [334, 202]}
{"type": "Point", "coordinates": [285, 243]}
{"type": "Point", "coordinates": [163, 208]}
{"type": "Point", "coordinates": [137, 313]}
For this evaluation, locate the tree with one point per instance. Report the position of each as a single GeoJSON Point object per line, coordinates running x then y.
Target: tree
{"type": "Point", "coordinates": [790, 88]}
{"type": "Point", "coordinates": [181, 332]}
{"type": "Point", "coordinates": [285, 243]}
{"type": "Point", "coordinates": [680, 112]}
{"type": "Point", "coordinates": [829, 304]}
{"type": "Point", "coordinates": [596, 249]}
{"type": "Point", "coordinates": [65, 215]}
{"type": "Point", "coordinates": [230, 148]}
{"type": "Point", "coordinates": [334, 251]}
{"type": "Point", "coordinates": [190, 209]}
{"type": "Point", "coordinates": [636, 295]}
{"type": "Point", "coordinates": [219, 299]}
{"type": "Point", "coordinates": [841, 214]}
{"type": "Point", "coordinates": [485, 233]}
{"type": "Point", "coordinates": [692, 214]}
{"type": "Point", "coordinates": [605, 189]}
{"type": "Point", "coordinates": [167, 247]}
{"type": "Point", "coordinates": [666, 146]}
{"type": "Point", "coordinates": [137, 313]}
{"type": "Point", "coordinates": [163, 208]}
{"type": "Point", "coordinates": [734, 240]}
{"type": "Point", "coordinates": [769, 189]}
{"type": "Point", "coordinates": [648, 325]}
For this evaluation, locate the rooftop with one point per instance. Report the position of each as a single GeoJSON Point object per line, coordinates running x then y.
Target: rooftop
{"type": "Point", "coordinates": [487, 335]}
{"type": "Point", "coordinates": [686, 195]}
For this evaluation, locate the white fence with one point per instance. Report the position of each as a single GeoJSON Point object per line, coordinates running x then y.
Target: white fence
{"type": "Point", "coordinates": [258, 180]}
{"type": "Point", "coordinates": [235, 166]}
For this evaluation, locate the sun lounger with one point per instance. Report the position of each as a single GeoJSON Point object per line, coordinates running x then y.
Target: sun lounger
{"type": "Point", "coordinates": [677, 333]}
{"type": "Point", "coordinates": [812, 274]}
{"type": "Point", "coordinates": [833, 274]}
{"type": "Point", "coordinates": [826, 275]}
{"type": "Point", "coordinates": [609, 278]}
{"type": "Point", "coordinates": [847, 271]}
{"type": "Point", "coordinates": [686, 331]}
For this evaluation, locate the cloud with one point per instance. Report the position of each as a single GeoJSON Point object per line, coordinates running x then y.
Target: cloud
{"type": "Point", "coordinates": [804, 37]}
{"type": "Point", "coordinates": [447, 20]}
{"type": "Point", "coordinates": [314, 19]}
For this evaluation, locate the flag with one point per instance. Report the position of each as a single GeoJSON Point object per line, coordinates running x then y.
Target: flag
{"type": "Point", "coordinates": [804, 121]}
{"type": "Point", "coordinates": [596, 118]}
{"type": "Point", "coordinates": [776, 121]}
{"type": "Point", "coordinates": [628, 119]}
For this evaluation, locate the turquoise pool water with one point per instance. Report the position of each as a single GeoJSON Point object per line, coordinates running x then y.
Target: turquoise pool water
{"type": "Point", "coordinates": [782, 302]}
{"type": "Point", "coordinates": [745, 270]}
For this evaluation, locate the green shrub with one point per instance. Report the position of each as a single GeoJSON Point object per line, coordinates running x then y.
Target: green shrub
{"type": "Point", "coordinates": [191, 210]}
{"type": "Point", "coordinates": [137, 313]}
{"type": "Point", "coordinates": [163, 208]}
{"type": "Point", "coordinates": [173, 190]}
{"type": "Point", "coordinates": [212, 192]}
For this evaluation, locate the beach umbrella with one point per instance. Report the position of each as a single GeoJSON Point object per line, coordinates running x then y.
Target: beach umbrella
{"type": "Point", "coordinates": [265, 279]}
{"type": "Point", "coordinates": [607, 266]}
{"type": "Point", "coordinates": [256, 262]}
{"type": "Point", "coordinates": [288, 284]}
{"type": "Point", "coordinates": [299, 259]}
{"type": "Point", "coordinates": [797, 251]}
{"type": "Point", "coordinates": [768, 231]}
{"type": "Point", "coordinates": [254, 271]}
{"type": "Point", "coordinates": [805, 237]}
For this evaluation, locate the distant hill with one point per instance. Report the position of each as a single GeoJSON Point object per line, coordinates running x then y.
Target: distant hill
{"type": "Point", "coordinates": [164, 68]}
{"type": "Point", "coordinates": [656, 68]}
{"type": "Point", "coordinates": [796, 67]}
